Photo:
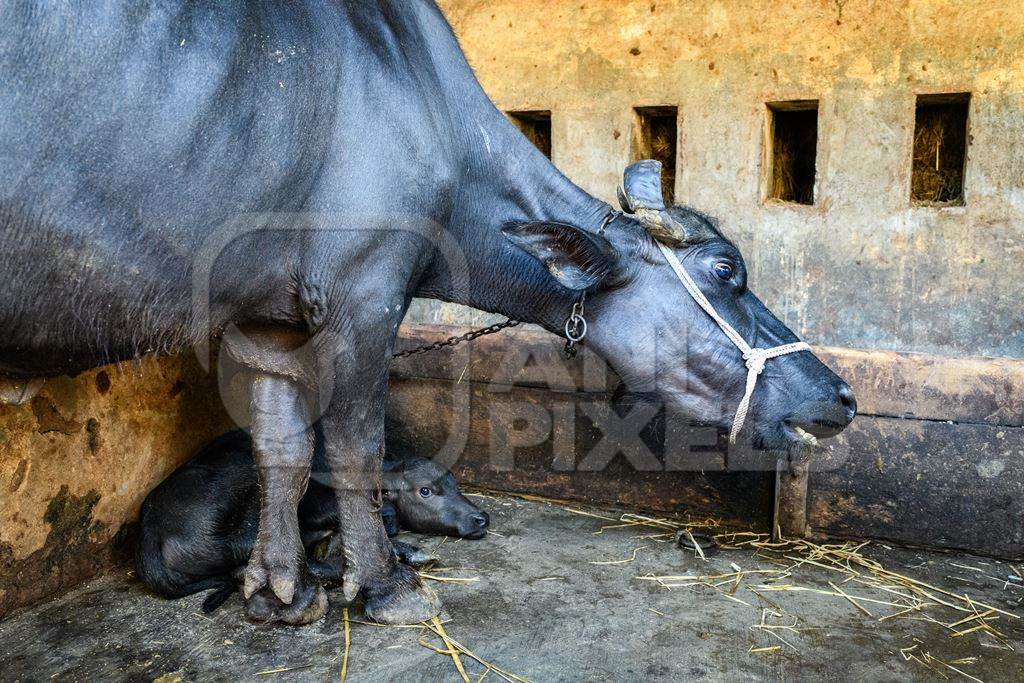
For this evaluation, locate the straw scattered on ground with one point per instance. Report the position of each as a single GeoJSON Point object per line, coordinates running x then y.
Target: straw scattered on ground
{"type": "Point", "coordinates": [449, 647]}
{"type": "Point", "coordinates": [910, 597]}
{"type": "Point", "coordinates": [898, 596]}
{"type": "Point", "coordinates": [890, 594]}
{"type": "Point", "coordinates": [454, 649]}
{"type": "Point", "coordinates": [348, 642]}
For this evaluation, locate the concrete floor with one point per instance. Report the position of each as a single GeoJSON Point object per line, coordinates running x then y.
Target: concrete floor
{"type": "Point", "coordinates": [539, 609]}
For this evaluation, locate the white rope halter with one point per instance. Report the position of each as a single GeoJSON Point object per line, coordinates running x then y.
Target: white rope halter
{"type": "Point", "coordinates": [754, 358]}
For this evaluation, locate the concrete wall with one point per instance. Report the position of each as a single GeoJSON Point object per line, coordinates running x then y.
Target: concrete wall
{"type": "Point", "coordinates": [861, 267]}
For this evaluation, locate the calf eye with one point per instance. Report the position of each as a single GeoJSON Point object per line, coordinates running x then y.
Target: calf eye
{"type": "Point", "coordinates": [425, 492]}
{"type": "Point", "coordinates": [723, 270]}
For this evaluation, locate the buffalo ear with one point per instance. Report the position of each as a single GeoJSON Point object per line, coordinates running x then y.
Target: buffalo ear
{"type": "Point", "coordinates": [577, 259]}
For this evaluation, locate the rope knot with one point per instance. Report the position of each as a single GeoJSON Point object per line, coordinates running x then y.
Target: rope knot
{"type": "Point", "coordinates": [756, 359]}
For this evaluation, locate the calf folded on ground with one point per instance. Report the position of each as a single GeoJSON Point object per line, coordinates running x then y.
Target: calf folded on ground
{"type": "Point", "coordinates": [198, 527]}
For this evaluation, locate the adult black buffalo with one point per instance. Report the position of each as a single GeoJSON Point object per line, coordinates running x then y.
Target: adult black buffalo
{"type": "Point", "coordinates": [174, 170]}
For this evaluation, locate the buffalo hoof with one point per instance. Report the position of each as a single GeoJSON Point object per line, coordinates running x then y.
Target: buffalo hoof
{"type": "Point", "coordinates": [308, 605]}
{"type": "Point", "coordinates": [401, 598]}
{"type": "Point", "coordinates": [280, 567]}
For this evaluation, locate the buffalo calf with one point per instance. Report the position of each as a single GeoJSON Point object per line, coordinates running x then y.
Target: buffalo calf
{"type": "Point", "coordinates": [198, 527]}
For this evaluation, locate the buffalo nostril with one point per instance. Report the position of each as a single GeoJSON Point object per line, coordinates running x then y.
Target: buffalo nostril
{"type": "Point", "coordinates": [481, 520]}
{"type": "Point", "coordinates": [848, 400]}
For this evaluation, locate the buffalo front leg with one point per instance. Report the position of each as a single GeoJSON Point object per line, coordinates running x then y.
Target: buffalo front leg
{"type": "Point", "coordinates": [278, 585]}
{"type": "Point", "coordinates": [354, 444]}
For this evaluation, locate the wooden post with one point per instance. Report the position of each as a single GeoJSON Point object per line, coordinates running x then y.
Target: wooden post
{"type": "Point", "coordinates": [791, 476]}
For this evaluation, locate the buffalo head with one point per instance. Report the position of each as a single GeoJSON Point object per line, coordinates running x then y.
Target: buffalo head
{"type": "Point", "coordinates": [656, 335]}
{"type": "Point", "coordinates": [422, 496]}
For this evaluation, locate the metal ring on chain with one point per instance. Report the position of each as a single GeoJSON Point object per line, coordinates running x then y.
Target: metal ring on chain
{"type": "Point", "coordinates": [575, 328]}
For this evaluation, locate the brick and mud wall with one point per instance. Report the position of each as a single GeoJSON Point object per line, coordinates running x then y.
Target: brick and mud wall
{"type": "Point", "coordinates": [77, 460]}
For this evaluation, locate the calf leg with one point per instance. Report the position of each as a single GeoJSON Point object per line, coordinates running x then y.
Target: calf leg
{"type": "Point", "coordinates": [278, 584]}
{"type": "Point", "coordinates": [329, 570]}
{"type": "Point", "coordinates": [412, 555]}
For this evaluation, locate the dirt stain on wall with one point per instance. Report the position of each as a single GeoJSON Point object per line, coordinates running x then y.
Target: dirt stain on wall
{"type": "Point", "coordinates": [50, 419]}
{"type": "Point", "coordinates": [77, 545]}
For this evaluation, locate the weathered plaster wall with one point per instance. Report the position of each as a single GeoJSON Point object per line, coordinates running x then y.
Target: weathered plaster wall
{"type": "Point", "coordinates": [861, 267]}
{"type": "Point", "coordinates": [76, 462]}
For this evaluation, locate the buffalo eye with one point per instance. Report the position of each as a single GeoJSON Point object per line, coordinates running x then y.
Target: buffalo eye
{"type": "Point", "coordinates": [723, 270]}
{"type": "Point", "coordinates": [426, 492]}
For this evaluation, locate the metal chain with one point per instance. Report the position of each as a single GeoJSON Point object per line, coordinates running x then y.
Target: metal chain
{"type": "Point", "coordinates": [575, 325]}
{"type": "Point", "coordinates": [452, 341]}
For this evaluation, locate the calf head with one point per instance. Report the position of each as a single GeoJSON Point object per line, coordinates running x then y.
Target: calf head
{"type": "Point", "coordinates": [422, 496]}
{"type": "Point", "coordinates": [655, 334]}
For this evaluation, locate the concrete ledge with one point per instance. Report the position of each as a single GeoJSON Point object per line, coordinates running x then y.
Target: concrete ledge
{"type": "Point", "coordinates": [543, 442]}
{"type": "Point", "coordinates": [936, 457]}
{"type": "Point", "coordinates": [922, 482]}
{"type": "Point", "coordinates": [927, 387]}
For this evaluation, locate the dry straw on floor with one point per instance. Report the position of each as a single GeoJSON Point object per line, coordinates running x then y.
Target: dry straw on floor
{"type": "Point", "coordinates": [449, 647]}
{"type": "Point", "coordinates": [454, 649]}
{"type": "Point", "coordinates": [899, 596]}
{"type": "Point", "coordinates": [909, 595]}
{"type": "Point", "coordinates": [435, 627]}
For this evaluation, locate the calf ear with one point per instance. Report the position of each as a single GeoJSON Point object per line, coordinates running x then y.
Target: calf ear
{"type": "Point", "coordinates": [577, 259]}
{"type": "Point", "coordinates": [390, 484]}
{"type": "Point", "coordinates": [389, 515]}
